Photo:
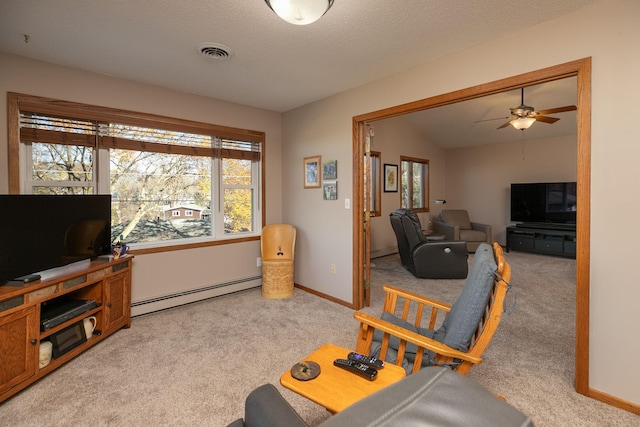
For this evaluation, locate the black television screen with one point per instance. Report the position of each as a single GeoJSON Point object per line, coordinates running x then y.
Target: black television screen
{"type": "Point", "coordinates": [544, 202]}
{"type": "Point", "coordinates": [41, 232]}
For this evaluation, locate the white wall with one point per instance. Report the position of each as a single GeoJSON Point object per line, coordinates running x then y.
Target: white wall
{"type": "Point", "coordinates": [478, 179]}
{"type": "Point", "coordinates": [609, 33]}
{"type": "Point", "coordinates": [168, 273]}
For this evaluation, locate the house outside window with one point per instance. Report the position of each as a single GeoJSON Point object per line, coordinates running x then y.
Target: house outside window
{"type": "Point", "coordinates": [414, 175]}
{"type": "Point", "coordinates": [148, 166]}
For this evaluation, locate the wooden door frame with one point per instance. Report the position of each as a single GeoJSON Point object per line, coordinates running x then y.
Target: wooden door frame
{"type": "Point", "coordinates": [581, 69]}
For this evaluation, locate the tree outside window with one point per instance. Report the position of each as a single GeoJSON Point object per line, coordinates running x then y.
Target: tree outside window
{"type": "Point", "coordinates": [414, 176]}
{"type": "Point", "coordinates": [157, 176]}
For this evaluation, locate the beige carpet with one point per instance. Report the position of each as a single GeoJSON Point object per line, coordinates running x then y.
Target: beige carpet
{"type": "Point", "coordinates": [194, 365]}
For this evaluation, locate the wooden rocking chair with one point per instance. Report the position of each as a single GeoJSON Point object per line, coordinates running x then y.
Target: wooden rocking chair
{"type": "Point", "coordinates": [465, 332]}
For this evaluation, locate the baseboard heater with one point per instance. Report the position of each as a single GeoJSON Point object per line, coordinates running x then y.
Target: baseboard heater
{"type": "Point", "coordinates": [164, 298]}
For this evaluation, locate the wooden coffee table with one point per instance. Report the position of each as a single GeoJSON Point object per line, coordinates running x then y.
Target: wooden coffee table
{"type": "Point", "coordinates": [336, 388]}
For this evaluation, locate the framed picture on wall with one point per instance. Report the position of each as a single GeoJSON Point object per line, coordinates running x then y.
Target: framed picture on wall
{"type": "Point", "coordinates": [311, 172]}
{"type": "Point", "coordinates": [329, 170]}
{"type": "Point", "coordinates": [390, 178]}
{"type": "Point", "coordinates": [330, 191]}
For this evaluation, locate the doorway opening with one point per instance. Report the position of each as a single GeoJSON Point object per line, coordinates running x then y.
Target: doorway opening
{"type": "Point", "coordinates": [581, 69]}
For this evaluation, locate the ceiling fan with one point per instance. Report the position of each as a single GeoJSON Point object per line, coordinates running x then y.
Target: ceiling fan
{"type": "Point", "coordinates": [523, 116]}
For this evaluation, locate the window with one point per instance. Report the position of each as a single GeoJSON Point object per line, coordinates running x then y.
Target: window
{"type": "Point", "coordinates": [158, 170]}
{"type": "Point", "coordinates": [374, 188]}
{"type": "Point", "coordinates": [414, 183]}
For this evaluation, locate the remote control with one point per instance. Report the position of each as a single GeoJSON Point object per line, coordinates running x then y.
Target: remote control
{"type": "Point", "coordinates": [357, 368]}
{"type": "Point", "coordinates": [367, 360]}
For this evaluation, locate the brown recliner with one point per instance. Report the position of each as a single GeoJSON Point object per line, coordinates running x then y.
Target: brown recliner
{"type": "Point", "coordinates": [456, 225]}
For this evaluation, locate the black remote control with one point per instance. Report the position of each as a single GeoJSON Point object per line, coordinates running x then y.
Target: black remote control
{"type": "Point", "coordinates": [357, 368]}
{"type": "Point", "coordinates": [367, 360]}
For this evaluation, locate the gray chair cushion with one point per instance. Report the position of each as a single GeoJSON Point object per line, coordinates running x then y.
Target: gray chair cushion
{"type": "Point", "coordinates": [394, 343]}
{"type": "Point", "coordinates": [466, 313]}
{"type": "Point", "coordinates": [457, 217]}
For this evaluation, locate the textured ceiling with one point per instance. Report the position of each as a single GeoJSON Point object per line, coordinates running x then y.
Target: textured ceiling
{"type": "Point", "coordinates": [275, 65]}
{"type": "Point", "coordinates": [278, 66]}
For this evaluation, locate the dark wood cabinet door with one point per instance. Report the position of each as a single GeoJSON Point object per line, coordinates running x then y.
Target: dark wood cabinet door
{"type": "Point", "coordinates": [18, 345]}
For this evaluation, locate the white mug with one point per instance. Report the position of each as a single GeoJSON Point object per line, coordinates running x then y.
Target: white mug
{"type": "Point", "coordinates": [46, 348]}
{"type": "Point", "coordinates": [89, 326]}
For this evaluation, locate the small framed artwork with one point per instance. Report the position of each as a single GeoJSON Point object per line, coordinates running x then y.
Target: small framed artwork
{"type": "Point", "coordinates": [330, 191]}
{"type": "Point", "coordinates": [390, 178]}
{"type": "Point", "coordinates": [329, 170]}
{"type": "Point", "coordinates": [311, 172]}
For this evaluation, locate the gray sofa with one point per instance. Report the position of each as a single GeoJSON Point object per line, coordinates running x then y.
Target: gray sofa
{"type": "Point", "coordinates": [456, 225]}
{"type": "Point", "coordinates": [432, 397]}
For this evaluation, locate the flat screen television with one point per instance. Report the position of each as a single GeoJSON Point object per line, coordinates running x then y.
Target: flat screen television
{"type": "Point", "coordinates": [544, 202]}
{"type": "Point", "coordinates": [42, 232]}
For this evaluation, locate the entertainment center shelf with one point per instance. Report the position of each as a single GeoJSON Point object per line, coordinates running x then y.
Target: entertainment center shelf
{"type": "Point", "coordinates": [106, 281]}
{"type": "Point", "coordinates": [555, 240]}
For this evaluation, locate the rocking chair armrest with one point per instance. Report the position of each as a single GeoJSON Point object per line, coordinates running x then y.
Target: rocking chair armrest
{"type": "Point", "coordinates": [412, 337]}
{"type": "Point", "coordinates": [417, 298]}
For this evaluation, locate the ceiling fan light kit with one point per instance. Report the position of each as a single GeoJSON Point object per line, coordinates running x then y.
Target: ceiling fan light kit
{"type": "Point", "coordinates": [523, 116]}
{"type": "Point", "coordinates": [300, 12]}
{"type": "Point", "coordinates": [522, 123]}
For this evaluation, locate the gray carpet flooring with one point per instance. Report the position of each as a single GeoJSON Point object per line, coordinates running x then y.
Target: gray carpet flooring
{"type": "Point", "coordinates": [194, 365]}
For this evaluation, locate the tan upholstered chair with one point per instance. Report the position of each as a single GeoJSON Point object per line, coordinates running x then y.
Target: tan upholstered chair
{"type": "Point", "coordinates": [456, 225]}
{"type": "Point", "coordinates": [277, 248]}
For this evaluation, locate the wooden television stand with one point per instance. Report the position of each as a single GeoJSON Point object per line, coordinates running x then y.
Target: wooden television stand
{"type": "Point", "coordinates": [106, 281]}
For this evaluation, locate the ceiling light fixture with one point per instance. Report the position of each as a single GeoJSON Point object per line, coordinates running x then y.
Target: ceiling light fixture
{"type": "Point", "coordinates": [300, 12]}
{"type": "Point", "coordinates": [522, 123]}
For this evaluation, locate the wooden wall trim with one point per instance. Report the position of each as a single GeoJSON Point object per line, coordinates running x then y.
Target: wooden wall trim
{"type": "Point", "coordinates": [580, 68]}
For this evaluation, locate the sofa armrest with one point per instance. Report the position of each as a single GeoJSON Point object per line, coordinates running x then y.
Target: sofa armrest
{"type": "Point", "coordinates": [433, 396]}
{"type": "Point", "coordinates": [265, 407]}
{"type": "Point", "coordinates": [486, 228]}
{"type": "Point", "coordinates": [451, 232]}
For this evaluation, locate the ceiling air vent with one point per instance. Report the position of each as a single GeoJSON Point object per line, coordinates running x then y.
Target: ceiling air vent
{"type": "Point", "coordinates": [214, 51]}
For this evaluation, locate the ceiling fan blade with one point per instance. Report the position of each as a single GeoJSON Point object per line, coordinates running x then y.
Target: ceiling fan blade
{"type": "Point", "coordinates": [490, 120]}
{"type": "Point", "coordinates": [546, 119]}
{"type": "Point", "coordinates": [505, 125]}
{"type": "Point", "coordinates": [558, 110]}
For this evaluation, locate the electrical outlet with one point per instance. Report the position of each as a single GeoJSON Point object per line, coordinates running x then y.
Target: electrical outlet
{"type": "Point", "coordinates": [259, 262]}
{"type": "Point", "coordinates": [333, 269]}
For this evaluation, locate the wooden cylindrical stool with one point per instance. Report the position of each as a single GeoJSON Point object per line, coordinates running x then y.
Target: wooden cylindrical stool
{"type": "Point", "coordinates": [277, 247]}
{"type": "Point", "coordinates": [277, 279]}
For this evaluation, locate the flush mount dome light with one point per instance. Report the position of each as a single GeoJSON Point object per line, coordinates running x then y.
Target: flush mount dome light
{"type": "Point", "coordinates": [300, 12]}
{"type": "Point", "coordinates": [214, 51]}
